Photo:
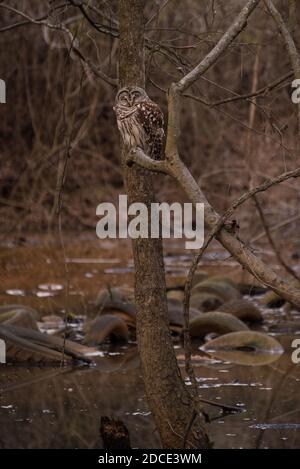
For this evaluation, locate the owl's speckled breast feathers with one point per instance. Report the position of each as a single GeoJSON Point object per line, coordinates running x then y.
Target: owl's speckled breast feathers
{"type": "Point", "coordinates": [140, 121]}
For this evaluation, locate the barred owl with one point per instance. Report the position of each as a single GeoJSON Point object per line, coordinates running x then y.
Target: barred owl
{"type": "Point", "coordinates": [140, 121]}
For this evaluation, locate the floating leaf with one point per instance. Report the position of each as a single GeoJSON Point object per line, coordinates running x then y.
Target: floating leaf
{"type": "Point", "coordinates": [245, 348]}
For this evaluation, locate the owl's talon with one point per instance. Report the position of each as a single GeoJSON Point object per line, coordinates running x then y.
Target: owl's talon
{"type": "Point", "coordinates": [129, 159]}
{"type": "Point", "coordinates": [129, 163]}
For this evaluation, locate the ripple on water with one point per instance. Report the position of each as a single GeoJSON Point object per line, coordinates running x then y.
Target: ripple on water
{"type": "Point", "coordinates": [15, 292]}
{"type": "Point", "coordinates": [50, 286]}
{"type": "Point", "coordinates": [118, 270]}
{"type": "Point", "coordinates": [86, 260]}
{"type": "Point", "coordinates": [276, 426]}
{"type": "Point", "coordinates": [44, 294]}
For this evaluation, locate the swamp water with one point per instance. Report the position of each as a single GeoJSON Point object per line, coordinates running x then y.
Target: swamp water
{"type": "Point", "coordinates": [49, 407]}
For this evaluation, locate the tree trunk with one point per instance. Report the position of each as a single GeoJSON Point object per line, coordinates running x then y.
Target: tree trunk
{"type": "Point", "coordinates": [168, 398]}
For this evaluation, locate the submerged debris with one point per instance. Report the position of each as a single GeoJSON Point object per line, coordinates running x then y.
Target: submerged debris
{"type": "Point", "coordinates": [103, 327]}
{"type": "Point", "coordinates": [27, 345]}
{"type": "Point", "coordinates": [243, 309]}
{"type": "Point", "coordinates": [217, 322]}
{"type": "Point", "coordinates": [245, 348]}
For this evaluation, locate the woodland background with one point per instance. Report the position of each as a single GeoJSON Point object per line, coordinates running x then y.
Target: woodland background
{"type": "Point", "coordinates": [59, 144]}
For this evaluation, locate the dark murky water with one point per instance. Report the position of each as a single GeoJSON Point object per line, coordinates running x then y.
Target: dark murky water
{"type": "Point", "coordinates": [61, 407]}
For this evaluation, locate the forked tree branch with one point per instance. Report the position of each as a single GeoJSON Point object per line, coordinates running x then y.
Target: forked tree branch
{"type": "Point", "coordinates": [174, 166]}
{"type": "Point", "coordinates": [232, 32]}
{"type": "Point", "coordinates": [138, 157]}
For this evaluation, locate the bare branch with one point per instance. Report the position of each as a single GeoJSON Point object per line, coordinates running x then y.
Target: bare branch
{"type": "Point", "coordinates": [100, 28]}
{"type": "Point", "coordinates": [292, 15]}
{"type": "Point", "coordinates": [289, 43]}
{"type": "Point", "coordinates": [283, 223]}
{"type": "Point", "coordinates": [261, 188]}
{"type": "Point", "coordinates": [174, 166]}
{"type": "Point", "coordinates": [232, 32]}
{"type": "Point", "coordinates": [240, 123]}
{"type": "Point", "coordinates": [272, 242]}
{"type": "Point", "coordinates": [138, 157]}
{"type": "Point", "coordinates": [261, 92]}
{"type": "Point", "coordinates": [72, 40]}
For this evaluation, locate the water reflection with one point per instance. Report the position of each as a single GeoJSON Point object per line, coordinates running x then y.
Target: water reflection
{"type": "Point", "coordinates": [61, 407]}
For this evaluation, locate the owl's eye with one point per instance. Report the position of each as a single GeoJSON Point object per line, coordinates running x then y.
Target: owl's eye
{"type": "Point", "coordinates": [136, 94]}
{"type": "Point", "coordinates": [122, 98]}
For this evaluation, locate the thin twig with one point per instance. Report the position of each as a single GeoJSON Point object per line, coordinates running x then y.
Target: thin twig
{"type": "Point", "coordinates": [289, 43]}
{"type": "Point", "coordinates": [232, 32]}
{"type": "Point", "coordinates": [276, 227]}
{"type": "Point", "coordinates": [272, 242]}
